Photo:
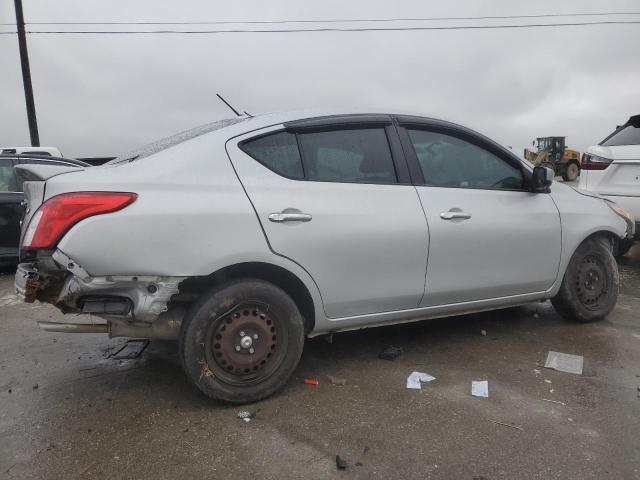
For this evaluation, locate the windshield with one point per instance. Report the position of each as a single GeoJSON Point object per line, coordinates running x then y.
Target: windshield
{"type": "Point", "coordinates": [543, 144]}
{"type": "Point", "coordinates": [167, 142]}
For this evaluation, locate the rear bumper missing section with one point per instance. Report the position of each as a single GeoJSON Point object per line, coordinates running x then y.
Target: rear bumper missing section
{"type": "Point", "coordinates": [132, 305]}
{"type": "Point", "coordinates": [26, 282]}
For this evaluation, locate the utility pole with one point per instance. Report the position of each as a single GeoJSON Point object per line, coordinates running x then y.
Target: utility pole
{"type": "Point", "coordinates": [26, 76]}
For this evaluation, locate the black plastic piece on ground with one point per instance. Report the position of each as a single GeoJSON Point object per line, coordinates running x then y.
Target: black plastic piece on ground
{"type": "Point", "coordinates": [390, 353]}
{"type": "Point", "coordinates": [341, 463]}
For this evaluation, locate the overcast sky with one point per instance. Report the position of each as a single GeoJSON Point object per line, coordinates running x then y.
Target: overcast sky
{"type": "Point", "coordinates": [106, 94]}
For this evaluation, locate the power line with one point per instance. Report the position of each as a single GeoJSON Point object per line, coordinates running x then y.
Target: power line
{"type": "Point", "coordinates": [334, 20]}
{"type": "Point", "coordinates": [327, 29]}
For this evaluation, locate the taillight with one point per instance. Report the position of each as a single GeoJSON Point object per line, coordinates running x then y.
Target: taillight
{"type": "Point", "coordinates": [594, 162]}
{"type": "Point", "coordinates": [57, 215]}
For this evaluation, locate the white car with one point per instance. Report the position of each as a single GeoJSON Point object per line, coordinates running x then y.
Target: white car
{"type": "Point", "coordinates": [612, 170]}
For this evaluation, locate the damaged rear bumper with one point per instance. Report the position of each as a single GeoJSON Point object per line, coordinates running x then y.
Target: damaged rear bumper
{"type": "Point", "coordinates": [133, 306]}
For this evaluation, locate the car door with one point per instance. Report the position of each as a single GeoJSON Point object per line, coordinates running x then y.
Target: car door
{"type": "Point", "coordinates": [489, 236]}
{"type": "Point", "coordinates": [334, 196]}
{"type": "Point", "coordinates": [11, 198]}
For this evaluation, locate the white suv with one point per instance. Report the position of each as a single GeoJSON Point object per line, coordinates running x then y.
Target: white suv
{"type": "Point", "coordinates": [612, 169]}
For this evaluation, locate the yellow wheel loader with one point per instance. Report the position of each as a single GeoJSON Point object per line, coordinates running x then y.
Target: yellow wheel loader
{"type": "Point", "coordinates": [553, 153]}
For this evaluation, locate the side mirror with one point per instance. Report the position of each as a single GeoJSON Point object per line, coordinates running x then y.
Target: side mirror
{"type": "Point", "coordinates": [542, 179]}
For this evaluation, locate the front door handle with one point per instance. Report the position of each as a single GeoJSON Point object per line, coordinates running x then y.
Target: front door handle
{"type": "Point", "coordinates": [290, 217]}
{"type": "Point", "coordinates": [454, 214]}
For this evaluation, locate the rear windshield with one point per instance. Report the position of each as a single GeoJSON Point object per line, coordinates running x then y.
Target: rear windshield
{"type": "Point", "coordinates": [165, 143]}
{"type": "Point", "coordinates": [628, 134]}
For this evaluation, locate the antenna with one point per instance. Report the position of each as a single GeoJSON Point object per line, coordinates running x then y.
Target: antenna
{"type": "Point", "coordinates": [228, 105]}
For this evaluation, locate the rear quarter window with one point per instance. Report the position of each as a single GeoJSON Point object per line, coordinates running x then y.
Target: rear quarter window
{"type": "Point", "coordinates": [278, 152]}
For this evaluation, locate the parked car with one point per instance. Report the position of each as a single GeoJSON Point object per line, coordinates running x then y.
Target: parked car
{"type": "Point", "coordinates": [242, 237]}
{"type": "Point", "coordinates": [39, 151]}
{"type": "Point", "coordinates": [11, 198]}
{"type": "Point", "coordinates": [612, 169]}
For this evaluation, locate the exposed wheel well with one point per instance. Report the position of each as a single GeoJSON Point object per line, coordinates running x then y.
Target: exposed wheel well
{"type": "Point", "coordinates": [191, 288]}
{"type": "Point", "coordinates": [611, 238]}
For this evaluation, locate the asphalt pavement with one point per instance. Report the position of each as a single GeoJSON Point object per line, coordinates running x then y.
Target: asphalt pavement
{"type": "Point", "coordinates": [72, 407]}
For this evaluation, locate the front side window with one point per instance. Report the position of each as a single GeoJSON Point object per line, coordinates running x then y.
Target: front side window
{"type": "Point", "coordinates": [8, 181]}
{"type": "Point", "coordinates": [448, 161]}
{"type": "Point", "coordinates": [278, 152]}
{"type": "Point", "coordinates": [360, 155]}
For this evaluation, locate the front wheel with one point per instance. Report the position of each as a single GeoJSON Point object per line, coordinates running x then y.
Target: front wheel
{"type": "Point", "coordinates": [589, 289]}
{"type": "Point", "coordinates": [571, 173]}
{"type": "Point", "coordinates": [242, 341]}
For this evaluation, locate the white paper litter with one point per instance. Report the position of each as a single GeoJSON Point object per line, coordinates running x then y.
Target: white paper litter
{"type": "Point", "coordinates": [416, 379]}
{"type": "Point", "coordinates": [480, 388]}
{"type": "Point", "coordinates": [564, 362]}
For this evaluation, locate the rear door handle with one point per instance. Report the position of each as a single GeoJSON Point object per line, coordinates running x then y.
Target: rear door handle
{"type": "Point", "coordinates": [453, 214]}
{"type": "Point", "coordinates": [290, 217]}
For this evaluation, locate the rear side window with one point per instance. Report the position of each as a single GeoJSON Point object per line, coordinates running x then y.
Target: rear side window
{"type": "Point", "coordinates": [355, 155]}
{"type": "Point", "coordinates": [278, 152]}
{"type": "Point", "coordinates": [628, 135]}
{"type": "Point", "coordinates": [8, 180]}
{"type": "Point", "coordinates": [352, 156]}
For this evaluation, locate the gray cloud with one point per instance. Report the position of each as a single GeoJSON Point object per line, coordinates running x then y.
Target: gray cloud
{"type": "Point", "coordinates": [103, 95]}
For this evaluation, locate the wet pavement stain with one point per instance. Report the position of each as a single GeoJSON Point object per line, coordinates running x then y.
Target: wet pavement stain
{"type": "Point", "coordinates": [95, 416]}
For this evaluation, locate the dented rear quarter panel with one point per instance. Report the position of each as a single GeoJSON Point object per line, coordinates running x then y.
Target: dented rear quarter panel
{"type": "Point", "coordinates": [191, 218]}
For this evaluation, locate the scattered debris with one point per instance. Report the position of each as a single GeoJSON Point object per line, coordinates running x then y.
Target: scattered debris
{"type": "Point", "coordinates": [536, 315]}
{"type": "Point", "coordinates": [570, 419]}
{"type": "Point", "coordinates": [366, 449]}
{"type": "Point", "coordinates": [246, 416]}
{"type": "Point", "coordinates": [483, 333]}
{"type": "Point", "coordinates": [564, 362]}
{"type": "Point", "coordinates": [416, 379]}
{"type": "Point", "coordinates": [390, 353]}
{"type": "Point", "coordinates": [341, 463]}
{"type": "Point", "coordinates": [480, 388]}
{"type": "Point", "coordinates": [546, 380]}
{"type": "Point", "coordinates": [130, 350]}
{"type": "Point", "coordinates": [35, 387]}
{"type": "Point", "coordinates": [359, 464]}
{"type": "Point", "coordinates": [337, 380]}
{"type": "Point", "coordinates": [311, 381]}
{"type": "Point", "coordinates": [554, 401]}
{"type": "Point", "coordinates": [536, 371]}
{"type": "Point", "coordinates": [508, 425]}
{"type": "Point", "coordinates": [9, 390]}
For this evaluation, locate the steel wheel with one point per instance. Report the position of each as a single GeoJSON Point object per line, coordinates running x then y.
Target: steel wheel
{"type": "Point", "coordinates": [243, 346]}
{"type": "Point", "coordinates": [591, 282]}
{"type": "Point", "coordinates": [590, 285]}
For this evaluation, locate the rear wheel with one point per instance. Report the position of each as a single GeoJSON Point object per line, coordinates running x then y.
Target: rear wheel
{"type": "Point", "coordinates": [242, 341]}
{"type": "Point", "coordinates": [571, 173]}
{"type": "Point", "coordinates": [589, 288]}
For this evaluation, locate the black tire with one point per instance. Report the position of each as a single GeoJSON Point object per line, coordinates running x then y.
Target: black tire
{"type": "Point", "coordinates": [589, 289]}
{"type": "Point", "coordinates": [571, 172]}
{"type": "Point", "coordinates": [624, 246]}
{"type": "Point", "coordinates": [210, 337]}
